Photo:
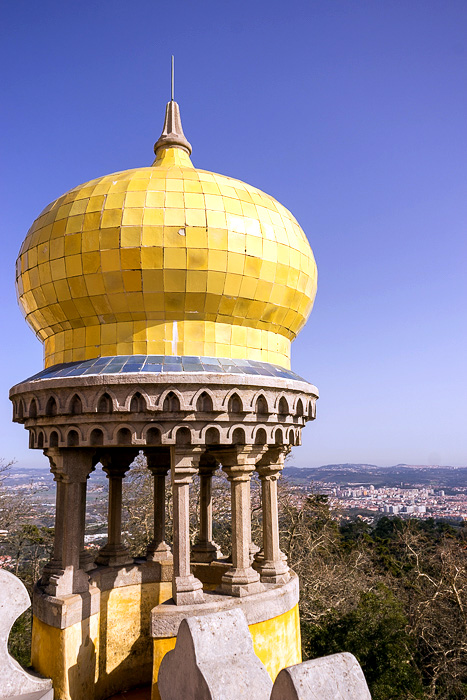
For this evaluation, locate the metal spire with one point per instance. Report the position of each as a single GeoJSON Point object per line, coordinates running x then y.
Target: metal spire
{"type": "Point", "coordinates": [173, 82]}
{"type": "Point", "coordinates": [172, 134]}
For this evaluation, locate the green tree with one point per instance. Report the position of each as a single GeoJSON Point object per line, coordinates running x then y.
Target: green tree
{"type": "Point", "coordinates": [376, 632]}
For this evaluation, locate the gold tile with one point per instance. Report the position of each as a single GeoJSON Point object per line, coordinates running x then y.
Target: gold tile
{"type": "Point", "coordinates": [130, 258]}
{"type": "Point", "coordinates": [152, 235]}
{"type": "Point", "coordinates": [95, 203]}
{"type": "Point", "coordinates": [111, 218]}
{"type": "Point", "coordinates": [74, 223]}
{"type": "Point", "coordinates": [174, 200]}
{"type": "Point", "coordinates": [153, 280]}
{"type": "Point", "coordinates": [135, 199]}
{"type": "Point", "coordinates": [174, 217]}
{"type": "Point", "coordinates": [174, 281]}
{"type": "Point", "coordinates": [155, 199]}
{"type": "Point", "coordinates": [132, 217]}
{"type": "Point", "coordinates": [196, 217]}
{"type": "Point", "coordinates": [175, 258]}
{"type": "Point", "coordinates": [130, 236]}
{"type": "Point", "coordinates": [132, 280]}
{"type": "Point", "coordinates": [110, 260]}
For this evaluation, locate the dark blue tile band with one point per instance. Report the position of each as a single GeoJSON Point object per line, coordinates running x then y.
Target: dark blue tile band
{"type": "Point", "coordinates": [160, 364]}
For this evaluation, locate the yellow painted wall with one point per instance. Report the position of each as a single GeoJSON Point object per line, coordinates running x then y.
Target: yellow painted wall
{"type": "Point", "coordinates": [276, 642]}
{"type": "Point", "coordinates": [67, 656]}
{"type": "Point", "coordinates": [106, 653]}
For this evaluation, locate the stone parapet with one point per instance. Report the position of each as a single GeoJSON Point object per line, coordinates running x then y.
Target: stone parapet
{"type": "Point", "coordinates": [273, 601]}
{"type": "Point", "coordinates": [63, 612]}
{"type": "Point", "coordinates": [150, 409]}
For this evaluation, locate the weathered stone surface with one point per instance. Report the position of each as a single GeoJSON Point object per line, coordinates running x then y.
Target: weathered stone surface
{"type": "Point", "coordinates": [40, 695]}
{"type": "Point", "coordinates": [14, 680]}
{"type": "Point", "coordinates": [213, 660]}
{"type": "Point", "coordinates": [278, 427]}
{"type": "Point", "coordinates": [335, 677]}
{"type": "Point", "coordinates": [275, 600]}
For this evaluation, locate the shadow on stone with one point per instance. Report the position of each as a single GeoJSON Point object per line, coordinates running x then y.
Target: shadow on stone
{"type": "Point", "coordinates": [15, 682]}
{"type": "Point", "coordinates": [213, 660]}
{"type": "Point", "coordinates": [328, 678]}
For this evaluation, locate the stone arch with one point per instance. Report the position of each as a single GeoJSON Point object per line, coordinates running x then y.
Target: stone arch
{"type": "Point", "coordinates": [278, 436]}
{"type": "Point", "coordinates": [51, 406]}
{"type": "Point", "coordinates": [212, 436]}
{"type": "Point", "coordinates": [238, 436]}
{"type": "Point", "coordinates": [72, 438]}
{"type": "Point", "coordinates": [235, 404]}
{"type": "Point", "coordinates": [171, 402]}
{"type": "Point", "coordinates": [96, 437]}
{"type": "Point", "coordinates": [283, 407]}
{"type": "Point", "coordinates": [183, 436]}
{"type": "Point", "coordinates": [104, 403]}
{"type": "Point", "coordinates": [204, 402]}
{"type": "Point", "coordinates": [20, 409]}
{"type": "Point", "coordinates": [32, 412]}
{"type": "Point", "coordinates": [137, 403]}
{"type": "Point", "coordinates": [159, 404]}
{"type": "Point", "coordinates": [53, 439]}
{"type": "Point", "coordinates": [261, 437]}
{"type": "Point", "coordinates": [124, 436]}
{"type": "Point", "coordinates": [76, 405]}
{"type": "Point", "coordinates": [40, 439]}
{"type": "Point", "coordinates": [32, 439]}
{"type": "Point", "coordinates": [153, 436]}
{"type": "Point", "coordinates": [291, 437]}
{"type": "Point", "coordinates": [299, 409]}
{"type": "Point", "coordinates": [261, 405]}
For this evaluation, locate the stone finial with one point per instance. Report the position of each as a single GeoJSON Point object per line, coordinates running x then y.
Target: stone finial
{"type": "Point", "coordinates": [213, 659]}
{"type": "Point", "coordinates": [328, 678]}
{"type": "Point", "coordinates": [172, 134]}
{"type": "Point", "coordinates": [15, 682]}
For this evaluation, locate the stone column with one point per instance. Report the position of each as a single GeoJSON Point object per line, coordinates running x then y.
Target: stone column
{"type": "Point", "coordinates": [71, 469]}
{"type": "Point", "coordinates": [239, 463]}
{"type": "Point", "coordinates": [116, 463]}
{"type": "Point", "coordinates": [271, 565]}
{"type": "Point", "coordinates": [205, 550]}
{"type": "Point", "coordinates": [159, 464]}
{"type": "Point", "coordinates": [186, 589]}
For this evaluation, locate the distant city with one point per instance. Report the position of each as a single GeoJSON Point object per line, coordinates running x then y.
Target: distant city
{"type": "Point", "coordinates": [353, 489]}
{"type": "Point", "coordinates": [419, 491]}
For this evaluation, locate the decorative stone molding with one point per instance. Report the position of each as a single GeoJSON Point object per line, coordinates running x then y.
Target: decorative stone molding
{"type": "Point", "coordinates": [147, 409]}
{"type": "Point", "coordinates": [273, 601]}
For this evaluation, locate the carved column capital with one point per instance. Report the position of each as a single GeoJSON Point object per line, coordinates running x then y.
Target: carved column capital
{"type": "Point", "coordinates": [184, 463]}
{"type": "Point", "coordinates": [117, 461]}
{"type": "Point", "coordinates": [239, 461]}
{"type": "Point", "coordinates": [158, 460]}
{"type": "Point", "coordinates": [69, 465]}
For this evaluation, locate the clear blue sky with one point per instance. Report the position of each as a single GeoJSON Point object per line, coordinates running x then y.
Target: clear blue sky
{"type": "Point", "coordinates": [352, 113]}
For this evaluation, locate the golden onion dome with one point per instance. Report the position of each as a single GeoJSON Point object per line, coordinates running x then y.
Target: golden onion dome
{"type": "Point", "coordinates": [166, 260]}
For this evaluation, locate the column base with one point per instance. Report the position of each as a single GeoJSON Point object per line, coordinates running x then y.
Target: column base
{"type": "Point", "coordinates": [114, 555]}
{"type": "Point", "coordinates": [205, 552]}
{"type": "Point", "coordinates": [253, 550]}
{"type": "Point", "coordinates": [158, 552]}
{"type": "Point", "coordinates": [187, 590]}
{"type": "Point", "coordinates": [240, 582]}
{"type": "Point", "coordinates": [86, 561]}
{"type": "Point", "coordinates": [61, 582]}
{"type": "Point", "coordinates": [273, 571]}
